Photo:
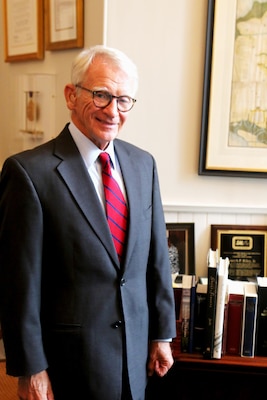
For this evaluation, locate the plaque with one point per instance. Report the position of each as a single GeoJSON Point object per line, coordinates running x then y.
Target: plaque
{"type": "Point", "coordinates": [245, 246]}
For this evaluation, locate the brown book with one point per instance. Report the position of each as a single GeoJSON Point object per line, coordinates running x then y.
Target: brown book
{"type": "Point", "coordinates": [235, 317]}
{"type": "Point", "coordinates": [176, 342]}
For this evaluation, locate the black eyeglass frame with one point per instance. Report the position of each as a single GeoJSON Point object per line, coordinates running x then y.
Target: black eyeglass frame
{"type": "Point", "coordinates": [111, 97]}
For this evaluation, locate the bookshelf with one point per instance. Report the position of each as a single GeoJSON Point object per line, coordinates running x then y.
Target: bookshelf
{"type": "Point", "coordinates": [192, 376]}
{"type": "Point", "coordinates": [255, 365]}
{"type": "Point", "coordinates": [230, 377]}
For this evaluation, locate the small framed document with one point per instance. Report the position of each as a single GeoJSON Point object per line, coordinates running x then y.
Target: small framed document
{"type": "Point", "coordinates": [23, 30]}
{"type": "Point", "coordinates": [64, 24]}
{"type": "Point", "coordinates": [245, 246]}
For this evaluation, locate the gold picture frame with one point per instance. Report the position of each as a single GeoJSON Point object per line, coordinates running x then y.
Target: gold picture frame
{"type": "Point", "coordinates": [64, 24]}
{"type": "Point", "coordinates": [245, 246]}
{"type": "Point", "coordinates": [23, 30]}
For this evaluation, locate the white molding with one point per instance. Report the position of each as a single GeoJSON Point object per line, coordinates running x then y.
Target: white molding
{"type": "Point", "coordinates": [170, 208]}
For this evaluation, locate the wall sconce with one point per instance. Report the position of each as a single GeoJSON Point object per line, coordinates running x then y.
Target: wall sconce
{"type": "Point", "coordinates": [32, 112]}
{"type": "Point", "coordinates": [37, 107]}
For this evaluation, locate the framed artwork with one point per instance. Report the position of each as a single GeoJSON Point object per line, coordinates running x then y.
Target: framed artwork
{"type": "Point", "coordinates": [181, 242]}
{"type": "Point", "coordinates": [245, 246]}
{"type": "Point", "coordinates": [64, 24]}
{"type": "Point", "coordinates": [234, 111]}
{"type": "Point", "coordinates": [23, 30]}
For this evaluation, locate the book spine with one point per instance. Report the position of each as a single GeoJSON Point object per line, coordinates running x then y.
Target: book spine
{"type": "Point", "coordinates": [249, 324]}
{"type": "Point", "coordinates": [199, 321]}
{"type": "Point", "coordinates": [211, 312]}
{"type": "Point", "coordinates": [177, 300]}
{"type": "Point", "coordinates": [261, 327]}
{"type": "Point", "coordinates": [176, 342]}
{"type": "Point", "coordinates": [220, 303]}
{"type": "Point", "coordinates": [234, 323]}
{"type": "Point", "coordinates": [225, 323]}
{"type": "Point", "coordinates": [185, 319]}
{"type": "Point", "coordinates": [192, 315]}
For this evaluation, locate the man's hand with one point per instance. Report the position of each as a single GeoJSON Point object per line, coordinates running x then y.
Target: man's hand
{"type": "Point", "coordinates": [35, 387]}
{"type": "Point", "coordinates": [160, 358]}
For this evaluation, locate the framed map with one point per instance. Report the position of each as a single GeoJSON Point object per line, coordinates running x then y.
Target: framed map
{"type": "Point", "coordinates": [234, 113]}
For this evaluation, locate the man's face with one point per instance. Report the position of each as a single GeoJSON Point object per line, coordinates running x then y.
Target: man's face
{"type": "Point", "coordinates": [100, 125]}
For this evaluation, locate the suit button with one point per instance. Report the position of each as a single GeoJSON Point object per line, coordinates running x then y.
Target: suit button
{"type": "Point", "coordinates": [116, 324]}
{"type": "Point", "coordinates": [123, 281]}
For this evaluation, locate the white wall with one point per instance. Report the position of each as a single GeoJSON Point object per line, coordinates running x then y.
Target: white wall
{"type": "Point", "coordinates": [55, 62]}
{"type": "Point", "coordinates": [167, 41]}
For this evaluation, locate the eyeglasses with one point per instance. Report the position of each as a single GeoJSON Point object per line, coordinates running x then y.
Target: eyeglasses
{"type": "Point", "coordinates": [102, 99]}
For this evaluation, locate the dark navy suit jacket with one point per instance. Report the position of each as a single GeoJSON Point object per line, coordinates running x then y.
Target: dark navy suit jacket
{"type": "Point", "coordinates": [66, 303]}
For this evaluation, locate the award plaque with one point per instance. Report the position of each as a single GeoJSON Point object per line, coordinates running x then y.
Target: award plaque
{"type": "Point", "coordinates": [245, 246]}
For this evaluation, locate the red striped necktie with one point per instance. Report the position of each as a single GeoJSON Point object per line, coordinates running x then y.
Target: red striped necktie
{"type": "Point", "coordinates": [116, 208]}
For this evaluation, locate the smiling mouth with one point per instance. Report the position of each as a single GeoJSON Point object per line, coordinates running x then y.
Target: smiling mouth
{"type": "Point", "coordinates": [108, 123]}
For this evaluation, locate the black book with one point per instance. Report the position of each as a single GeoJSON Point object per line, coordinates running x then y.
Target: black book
{"type": "Point", "coordinates": [200, 316]}
{"type": "Point", "coordinates": [261, 327]}
{"type": "Point", "coordinates": [211, 304]}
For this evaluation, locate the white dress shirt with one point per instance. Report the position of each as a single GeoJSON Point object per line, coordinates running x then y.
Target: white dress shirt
{"type": "Point", "coordinates": [90, 152]}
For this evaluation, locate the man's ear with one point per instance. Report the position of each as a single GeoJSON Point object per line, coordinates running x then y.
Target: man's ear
{"type": "Point", "coordinates": [70, 96]}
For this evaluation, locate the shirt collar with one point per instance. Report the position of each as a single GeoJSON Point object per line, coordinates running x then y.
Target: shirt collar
{"type": "Point", "coordinates": [88, 150]}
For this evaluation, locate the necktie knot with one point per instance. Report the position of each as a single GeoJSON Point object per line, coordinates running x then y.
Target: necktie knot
{"type": "Point", "coordinates": [105, 161]}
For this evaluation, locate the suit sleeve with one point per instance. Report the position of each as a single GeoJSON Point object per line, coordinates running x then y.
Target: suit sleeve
{"type": "Point", "coordinates": [21, 232]}
{"type": "Point", "coordinates": [161, 296]}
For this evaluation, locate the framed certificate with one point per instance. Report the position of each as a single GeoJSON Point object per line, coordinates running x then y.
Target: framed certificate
{"type": "Point", "coordinates": [64, 24]}
{"type": "Point", "coordinates": [245, 246]}
{"type": "Point", "coordinates": [23, 30]}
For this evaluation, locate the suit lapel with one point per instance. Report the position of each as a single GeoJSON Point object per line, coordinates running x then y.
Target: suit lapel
{"type": "Point", "coordinates": [77, 179]}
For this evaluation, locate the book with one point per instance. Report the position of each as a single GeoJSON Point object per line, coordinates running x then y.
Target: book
{"type": "Point", "coordinates": [176, 342]}
{"type": "Point", "coordinates": [185, 312]}
{"type": "Point", "coordinates": [225, 321]}
{"type": "Point", "coordinates": [249, 320]}
{"type": "Point", "coordinates": [261, 326]}
{"type": "Point", "coordinates": [235, 316]}
{"type": "Point", "coordinates": [192, 315]}
{"type": "Point", "coordinates": [200, 315]}
{"type": "Point", "coordinates": [177, 289]}
{"type": "Point", "coordinates": [220, 306]}
{"type": "Point", "coordinates": [211, 303]}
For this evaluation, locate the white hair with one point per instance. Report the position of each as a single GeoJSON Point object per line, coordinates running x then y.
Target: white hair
{"type": "Point", "coordinates": [85, 58]}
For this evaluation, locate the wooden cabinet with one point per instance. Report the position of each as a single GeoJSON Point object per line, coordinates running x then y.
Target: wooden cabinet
{"type": "Point", "coordinates": [193, 377]}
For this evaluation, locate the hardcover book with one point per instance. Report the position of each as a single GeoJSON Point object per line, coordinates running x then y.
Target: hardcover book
{"type": "Point", "coordinates": [177, 281]}
{"type": "Point", "coordinates": [211, 304]}
{"type": "Point", "coordinates": [192, 315]}
{"type": "Point", "coordinates": [185, 312]}
{"type": "Point", "coordinates": [200, 316]}
{"type": "Point", "coordinates": [225, 323]}
{"type": "Point", "coordinates": [261, 327]}
{"type": "Point", "coordinates": [220, 306]}
{"type": "Point", "coordinates": [249, 320]}
{"type": "Point", "coordinates": [235, 317]}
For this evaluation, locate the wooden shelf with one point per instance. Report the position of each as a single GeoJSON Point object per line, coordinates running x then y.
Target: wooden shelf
{"type": "Point", "coordinates": [231, 378]}
{"type": "Point", "coordinates": [227, 360]}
